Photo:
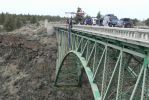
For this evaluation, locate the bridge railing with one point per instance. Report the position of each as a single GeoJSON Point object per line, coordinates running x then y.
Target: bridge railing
{"type": "Point", "coordinates": [132, 33]}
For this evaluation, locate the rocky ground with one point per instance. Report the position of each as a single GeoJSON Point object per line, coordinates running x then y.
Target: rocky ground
{"type": "Point", "coordinates": [27, 67]}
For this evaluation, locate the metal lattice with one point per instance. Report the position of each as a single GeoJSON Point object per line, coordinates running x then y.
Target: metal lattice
{"type": "Point", "coordinates": [116, 70]}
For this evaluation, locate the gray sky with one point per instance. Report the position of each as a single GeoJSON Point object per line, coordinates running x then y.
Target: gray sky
{"type": "Point", "coordinates": [121, 8]}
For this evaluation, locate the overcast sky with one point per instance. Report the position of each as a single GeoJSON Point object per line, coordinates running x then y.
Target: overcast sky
{"type": "Point", "coordinates": [121, 8]}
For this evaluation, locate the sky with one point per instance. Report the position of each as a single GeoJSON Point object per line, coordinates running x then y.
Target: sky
{"type": "Point", "coordinates": [121, 8]}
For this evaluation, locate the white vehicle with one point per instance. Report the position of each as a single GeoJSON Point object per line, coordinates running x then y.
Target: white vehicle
{"type": "Point", "coordinates": [94, 20]}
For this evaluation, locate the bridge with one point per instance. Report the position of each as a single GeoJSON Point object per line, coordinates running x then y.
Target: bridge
{"type": "Point", "coordinates": [115, 60]}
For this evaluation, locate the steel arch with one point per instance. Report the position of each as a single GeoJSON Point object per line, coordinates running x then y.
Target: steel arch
{"type": "Point", "coordinates": [88, 72]}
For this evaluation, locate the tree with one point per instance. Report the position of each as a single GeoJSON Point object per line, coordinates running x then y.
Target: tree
{"type": "Point", "coordinates": [19, 22]}
{"type": "Point", "coordinates": [147, 21]}
{"type": "Point", "coordinates": [2, 18]}
{"type": "Point", "coordinates": [33, 19]}
{"type": "Point", "coordinates": [79, 16]}
{"type": "Point", "coordinates": [135, 21]}
{"type": "Point", "coordinates": [87, 16]}
{"type": "Point", "coordinates": [13, 21]}
{"type": "Point", "coordinates": [9, 23]}
{"type": "Point", "coordinates": [98, 15]}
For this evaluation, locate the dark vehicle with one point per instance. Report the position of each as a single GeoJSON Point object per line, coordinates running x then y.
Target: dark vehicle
{"type": "Point", "coordinates": [110, 20]}
{"type": "Point", "coordinates": [88, 21]}
{"type": "Point", "coordinates": [125, 22]}
{"type": "Point", "coordinates": [100, 21]}
{"type": "Point", "coordinates": [113, 21]}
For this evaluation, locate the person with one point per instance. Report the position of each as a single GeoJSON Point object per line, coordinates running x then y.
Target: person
{"type": "Point", "coordinates": [67, 21]}
{"type": "Point", "coordinates": [106, 21]}
{"type": "Point", "coordinates": [69, 32]}
{"type": "Point", "coordinates": [70, 22]}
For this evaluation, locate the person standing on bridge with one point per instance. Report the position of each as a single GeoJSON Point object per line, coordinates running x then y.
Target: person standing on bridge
{"type": "Point", "coordinates": [70, 22]}
{"type": "Point", "coordinates": [69, 31]}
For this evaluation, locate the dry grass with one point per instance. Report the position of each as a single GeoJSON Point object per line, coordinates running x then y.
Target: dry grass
{"type": "Point", "coordinates": [14, 76]}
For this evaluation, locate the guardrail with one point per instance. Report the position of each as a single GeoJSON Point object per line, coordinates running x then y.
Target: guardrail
{"type": "Point", "coordinates": [142, 27]}
{"type": "Point", "coordinates": [141, 34]}
{"type": "Point", "coordinates": [129, 35]}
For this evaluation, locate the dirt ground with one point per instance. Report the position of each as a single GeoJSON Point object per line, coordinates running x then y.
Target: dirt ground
{"type": "Point", "coordinates": [27, 67]}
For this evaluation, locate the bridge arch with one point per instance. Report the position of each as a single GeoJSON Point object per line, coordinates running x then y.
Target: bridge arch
{"type": "Point", "coordinates": [81, 64]}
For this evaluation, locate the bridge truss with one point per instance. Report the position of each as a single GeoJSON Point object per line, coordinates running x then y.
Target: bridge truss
{"type": "Point", "coordinates": [116, 70]}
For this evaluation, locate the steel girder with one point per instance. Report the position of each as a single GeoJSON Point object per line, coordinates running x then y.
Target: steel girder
{"type": "Point", "coordinates": [116, 71]}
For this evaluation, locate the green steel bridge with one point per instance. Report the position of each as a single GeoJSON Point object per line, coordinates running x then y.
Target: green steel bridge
{"type": "Point", "coordinates": [115, 60]}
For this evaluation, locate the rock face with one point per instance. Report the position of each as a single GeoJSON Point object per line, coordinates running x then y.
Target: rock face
{"type": "Point", "coordinates": [27, 69]}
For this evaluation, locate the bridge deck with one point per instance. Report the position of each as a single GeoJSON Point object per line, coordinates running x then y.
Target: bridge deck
{"type": "Point", "coordinates": [130, 35]}
{"type": "Point", "coordinates": [121, 37]}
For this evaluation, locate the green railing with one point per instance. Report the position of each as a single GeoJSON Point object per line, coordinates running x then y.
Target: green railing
{"type": "Point", "coordinates": [116, 70]}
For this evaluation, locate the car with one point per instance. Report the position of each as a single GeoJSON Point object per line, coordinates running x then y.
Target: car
{"type": "Point", "coordinates": [113, 21]}
{"type": "Point", "coordinates": [88, 21]}
{"type": "Point", "coordinates": [94, 20]}
{"type": "Point", "coordinates": [125, 22]}
{"type": "Point", "coordinates": [99, 21]}
{"type": "Point", "coordinates": [110, 20]}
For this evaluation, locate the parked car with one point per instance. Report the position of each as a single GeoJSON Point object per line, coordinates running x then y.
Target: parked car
{"type": "Point", "coordinates": [88, 21]}
{"type": "Point", "coordinates": [94, 20]}
{"type": "Point", "coordinates": [100, 21]}
{"type": "Point", "coordinates": [110, 20]}
{"type": "Point", "coordinates": [125, 22]}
